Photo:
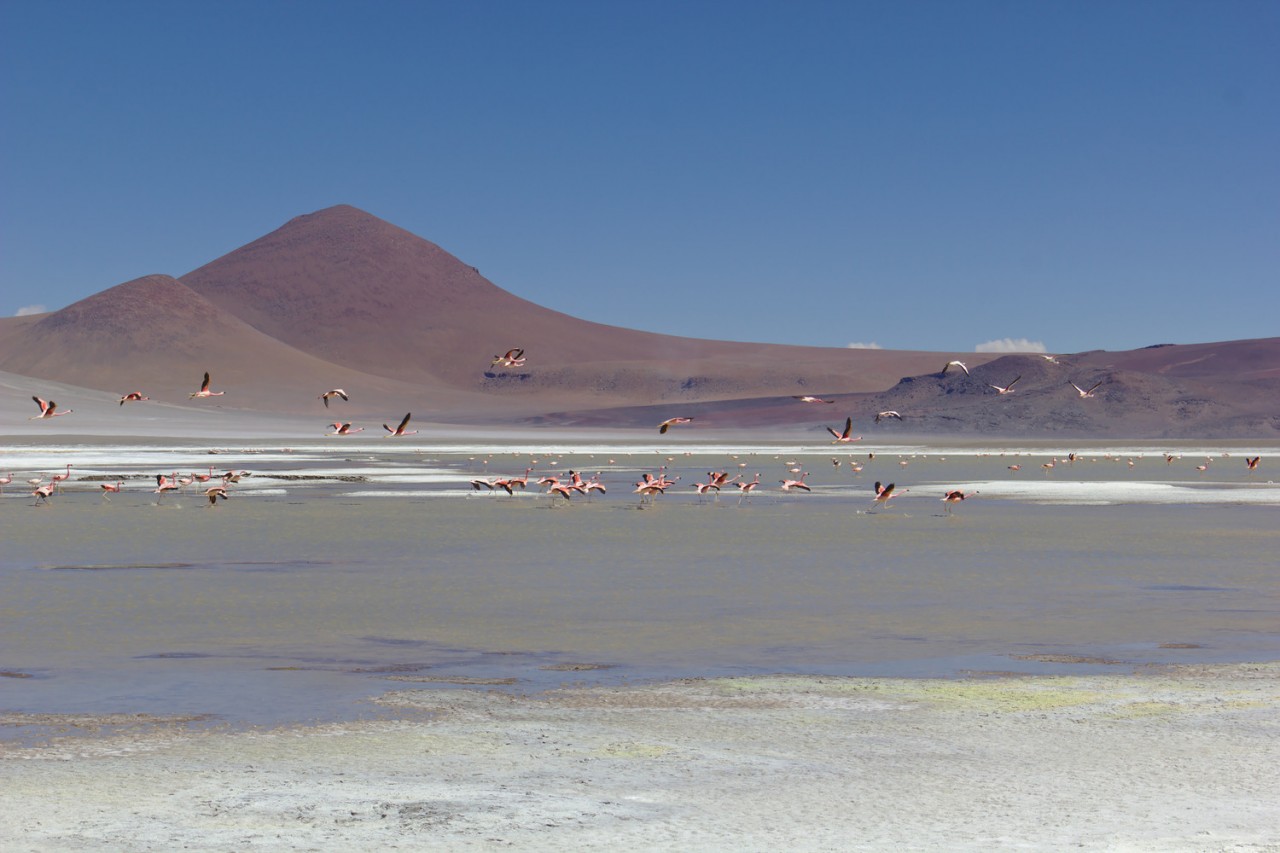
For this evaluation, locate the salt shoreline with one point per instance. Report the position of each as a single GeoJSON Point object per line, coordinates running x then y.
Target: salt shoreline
{"type": "Point", "coordinates": [1169, 759]}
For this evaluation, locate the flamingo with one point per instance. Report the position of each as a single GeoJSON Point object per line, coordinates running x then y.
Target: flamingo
{"type": "Point", "coordinates": [788, 485]}
{"type": "Point", "coordinates": [953, 497]}
{"type": "Point", "coordinates": [1006, 389]}
{"type": "Point", "coordinates": [885, 493]}
{"type": "Point", "coordinates": [670, 422]}
{"type": "Point", "coordinates": [400, 430]}
{"type": "Point", "coordinates": [512, 358]}
{"type": "Point", "coordinates": [133, 397]}
{"type": "Point", "coordinates": [1052, 359]}
{"type": "Point", "coordinates": [58, 478]}
{"type": "Point", "coordinates": [48, 409]}
{"type": "Point", "coordinates": [1015, 467]}
{"type": "Point", "coordinates": [746, 488]}
{"type": "Point", "coordinates": [1252, 465]}
{"type": "Point", "coordinates": [204, 478]}
{"type": "Point", "coordinates": [4, 481]}
{"type": "Point", "coordinates": [847, 435]}
{"type": "Point", "coordinates": [42, 494]}
{"type": "Point", "coordinates": [950, 364]}
{"type": "Point", "coordinates": [215, 492]}
{"type": "Point", "coordinates": [880, 416]}
{"type": "Point", "coordinates": [808, 399]}
{"type": "Point", "coordinates": [1083, 393]}
{"type": "Point", "coordinates": [336, 392]}
{"type": "Point", "coordinates": [343, 429]}
{"type": "Point", "coordinates": [110, 489]}
{"type": "Point", "coordinates": [166, 484]}
{"type": "Point", "coordinates": [521, 482]}
{"type": "Point", "coordinates": [204, 389]}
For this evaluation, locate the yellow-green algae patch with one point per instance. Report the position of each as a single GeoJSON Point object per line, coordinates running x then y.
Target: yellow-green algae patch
{"type": "Point", "coordinates": [632, 750]}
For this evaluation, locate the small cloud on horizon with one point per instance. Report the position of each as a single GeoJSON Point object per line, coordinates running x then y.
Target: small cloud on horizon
{"type": "Point", "coordinates": [860, 345]}
{"type": "Point", "coordinates": [1011, 345]}
{"type": "Point", "coordinates": [28, 310]}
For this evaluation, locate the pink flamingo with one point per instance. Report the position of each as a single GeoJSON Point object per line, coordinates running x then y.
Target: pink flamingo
{"type": "Point", "coordinates": [343, 429]}
{"type": "Point", "coordinates": [4, 481]}
{"type": "Point", "coordinates": [846, 436]}
{"type": "Point", "coordinates": [204, 478]}
{"type": "Point", "coordinates": [58, 478]}
{"type": "Point", "coordinates": [110, 489]}
{"type": "Point", "coordinates": [1252, 465]}
{"type": "Point", "coordinates": [670, 422]}
{"type": "Point", "coordinates": [166, 484]}
{"type": "Point", "coordinates": [133, 397]}
{"type": "Point", "coordinates": [513, 358]}
{"type": "Point", "coordinates": [747, 488]}
{"type": "Point", "coordinates": [42, 494]}
{"type": "Point", "coordinates": [204, 389]}
{"type": "Point", "coordinates": [953, 497]}
{"type": "Point", "coordinates": [215, 492]}
{"type": "Point", "coordinates": [885, 493]}
{"type": "Point", "coordinates": [1006, 389]}
{"type": "Point", "coordinates": [808, 399]}
{"type": "Point", "coordinates": [950, 364]}
{"type": "Point", "coordinates": [336, 392]}
{"type": "Point", "coordinates": [788, 485]}
{"type": "Point", "coordinates": [1083, 393]}
{"type": "Point", "coordinates": [400, 430]}
{"type": "Point", "coordinates": [48, 409]}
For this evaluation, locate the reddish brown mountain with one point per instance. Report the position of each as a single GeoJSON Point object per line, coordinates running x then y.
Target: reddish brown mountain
{"type": "Point", "coordinates": [346, 286]}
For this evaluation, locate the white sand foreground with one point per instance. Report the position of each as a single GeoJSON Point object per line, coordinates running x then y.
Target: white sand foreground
{"type": "Point", "coordinates": [1176, 759]}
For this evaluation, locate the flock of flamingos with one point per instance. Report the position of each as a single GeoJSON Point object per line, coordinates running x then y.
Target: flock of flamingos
{"type": "Point", "coordinates": [214, 487]}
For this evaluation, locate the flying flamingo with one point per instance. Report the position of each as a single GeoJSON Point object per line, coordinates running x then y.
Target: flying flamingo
{"type": "Point", "coordinates": [847, 435]}
{"type": "Point", "coordinates": [885, 493]}
{"type": "Point", "coordinates": [950, 364]}
{"type": "Point", "coordinates": [880, 416]}
{"type": "Point", "coordinates": [808, 399]}
{"type": "Point", "coordinates": [344, 429]}
{"type": "Point", "coordinates": [42, 494]}
{"type": "Point", "coordinates": [512, 358]}
{"type": "Point", "coordinates": [214, 493]}
{"type": "Point", "coordinates": [133, 397]}
{"type": "Point", "coordinates": [1083, 393]}
{"type": "Point", "coordinates": [48, 409]}
{"type": "Point", "coordinates": [788, 485]}
{"type": "Point", "coordinates": [1251, 463]}
{"type": "Point", "coordinates": [400, 430]}
{"type": "Point", "coordinates": [670, 422]}
{"type": "Point", "coordinates": [954, 496]}
{"type": "Point", "coordinates": [336, 392]}
{"type": "Point", "coordinates": [1006, 389]}
{"type": "Point", "coordinates": [204, 389]}
{"type": "Point", "coordinates": [110, 489]}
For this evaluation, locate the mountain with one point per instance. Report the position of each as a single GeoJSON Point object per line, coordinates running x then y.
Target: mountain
{"type": "Point", "coordinates": [340, 298]}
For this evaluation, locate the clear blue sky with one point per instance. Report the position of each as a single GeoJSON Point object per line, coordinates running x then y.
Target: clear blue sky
{"type": "Point", "coordinates": [919, 175]}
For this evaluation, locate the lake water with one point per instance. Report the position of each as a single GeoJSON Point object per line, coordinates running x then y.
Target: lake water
{"type": "Point", "coordinates": [345, 568]}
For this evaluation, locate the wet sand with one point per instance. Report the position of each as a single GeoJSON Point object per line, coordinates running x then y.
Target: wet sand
{"type": "Point", "coordinates": [1176, 759]}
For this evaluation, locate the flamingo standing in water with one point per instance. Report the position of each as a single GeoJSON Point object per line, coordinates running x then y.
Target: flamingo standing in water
{"type": "Point", "coordinates": [58, 478]}
{"type": "Point", "coordinates": [4, 481]}
{"type": "Point", "coordinates": [746, 488]}
{"type": "Point", "coordinates": [204, 389]}
{"type": "Point", "coordinates": [110, 489]}
{"type": "Point", "coordinates": [42, 494]}
{"type": "Point", "coordinates": [400, 430]}
{"type": "Point", "coordinates": [847, 435]}
{"type": "Point", "coordinates": [133, 397]}
{"type": "Point", "coordinates": [48, 409]}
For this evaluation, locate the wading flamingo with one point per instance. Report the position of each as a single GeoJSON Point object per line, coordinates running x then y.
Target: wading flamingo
{"type": "Point", "coordinates": [4, 481]}
{"type": "Point", "coordinates": [42, 494]}
{"type": "Point", "coordinates": [58, 478]}
{"type": "Point", "coordinates": [953, 497]}
{"type": "Point", "coordinates": [110, 489]}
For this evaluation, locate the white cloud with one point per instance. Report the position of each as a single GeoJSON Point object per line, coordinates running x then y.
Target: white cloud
{"type": "Point", "coordinates": [1011, 345]}
{"type": "Point", "coordinates": [860, 345]}
{"type": "Point", "coordinates": [28, 310]}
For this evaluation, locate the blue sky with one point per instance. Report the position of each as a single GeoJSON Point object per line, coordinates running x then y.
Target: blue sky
{"type": "Point", "coordinates": [917, 175]}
